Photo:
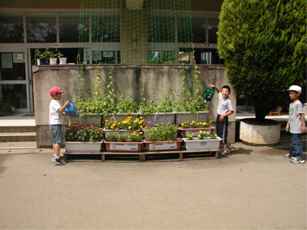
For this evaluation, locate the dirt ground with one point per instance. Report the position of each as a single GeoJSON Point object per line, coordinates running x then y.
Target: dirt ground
{"type": "Point", "coordinates": [255, 188]}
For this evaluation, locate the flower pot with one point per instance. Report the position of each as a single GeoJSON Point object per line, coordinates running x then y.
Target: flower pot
{"type": "Point", "coordinates": [83, 147]}
{"type": "Point", "coordinates": [206, 145]}
{"type": "Point", "coordinates": [63, 60]}
{"type": "Point", "coordinates": [265, 133]}
{"type": "Point", "coordinates": [111, 146]}
{"type": "Point", "coordinates": [53, 61]}
{"type": "Point", "coordinates": [186, 116]}
{"type": "Point", "coordinates": [153, 146]}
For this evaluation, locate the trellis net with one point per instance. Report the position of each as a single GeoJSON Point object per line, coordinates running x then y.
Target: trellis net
{"type": "Point", "coordinates": [137, 31]}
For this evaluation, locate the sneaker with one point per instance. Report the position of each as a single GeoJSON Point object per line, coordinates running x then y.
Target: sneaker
{"type": "Point", "coordinates": [62, 160]}
{"type": "Point", "coordinates": [288, 155]}
{"type": "Point", "coordinates": [56, 160]}
{"type": "Point", "coordinates": [297, 160]}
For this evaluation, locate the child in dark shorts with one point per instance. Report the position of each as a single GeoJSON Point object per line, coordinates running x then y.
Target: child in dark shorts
{"type": "Point", "coordinates": [224, 110]}
{"type": "Point", "coordinates": [56, 125]}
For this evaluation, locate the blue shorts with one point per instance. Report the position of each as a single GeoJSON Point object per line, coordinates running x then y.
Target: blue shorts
{"type": "Point", "coordinates": [57, 134]}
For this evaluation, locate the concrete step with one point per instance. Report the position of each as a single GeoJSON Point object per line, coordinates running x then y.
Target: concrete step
{"type": "Point", "coordinates": [28, 147]}
{"type": "Point", "coordinates": [17, 136]}
{"type": "Point", "coordinates": [17, 129]}
{"type": "Point", "coordinates": [18, 145]}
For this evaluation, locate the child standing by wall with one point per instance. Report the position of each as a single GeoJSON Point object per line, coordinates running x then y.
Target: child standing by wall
{"type": "Point", "coordinates": [295, 125]}
{"type": "Point", "coordinates": [56, 124]}
{"type": "Point", "coordinates": [224, 110]}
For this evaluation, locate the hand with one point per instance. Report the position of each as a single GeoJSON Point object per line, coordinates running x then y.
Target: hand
{"type": "Point", "coordinates": [287, 127]}
{"type": "Point", "coordinates": [211, 85]}
{"type": "Point", "coordinates": [66, 103]}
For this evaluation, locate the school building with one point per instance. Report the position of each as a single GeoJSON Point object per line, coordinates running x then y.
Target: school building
{"type": "Point", "coordinates": [121, 32]}
{"type": "Point", "coordinates": [100, 32]}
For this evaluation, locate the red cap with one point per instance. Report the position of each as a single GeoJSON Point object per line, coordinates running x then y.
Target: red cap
{"type": "Point", "coordinates": [55, 90]}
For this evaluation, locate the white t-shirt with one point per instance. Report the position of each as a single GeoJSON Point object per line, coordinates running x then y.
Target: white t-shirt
{"type": "Point", "coordinates": [54, 113]}
{"type": "Point", "coordinates": [295, 110]}
{"type": "Point", "coordinates": [224, 105]}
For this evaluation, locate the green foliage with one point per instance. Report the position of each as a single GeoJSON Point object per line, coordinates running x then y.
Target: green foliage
{"type": "Point", "coordinates": [83, 133]}
{"type": "Point", "coordinates": [264, 46]}
{"type": "Point", "coordinates": [133, 136]}
{"type": "Point", "coordinates": [104, 102]}
{"type": "Point", "coordinates": [126, 105]}
{"type": "Point", "coordinates": [161, 132]}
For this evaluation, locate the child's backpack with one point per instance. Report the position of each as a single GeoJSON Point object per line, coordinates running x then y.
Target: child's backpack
{"type": "Point", "coordinates": [208, 94]}
{"type": "Point", "coordinates": [71, 109]}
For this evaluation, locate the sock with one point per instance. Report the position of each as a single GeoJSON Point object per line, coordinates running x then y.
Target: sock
{"type": "Point", "coordinates": [55, 156]}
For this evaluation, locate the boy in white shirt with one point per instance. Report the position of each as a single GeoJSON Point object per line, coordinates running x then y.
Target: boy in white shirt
{"type": "Point", "coordinates": [295, 125]}
{"type": "Point", "coordinates": [224, 110]}
{"type": "Point", "coordinates": [56, 124]}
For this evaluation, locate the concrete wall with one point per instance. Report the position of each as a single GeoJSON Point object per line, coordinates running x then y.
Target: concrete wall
{"type": "Point", "coordinates": [152, 82]}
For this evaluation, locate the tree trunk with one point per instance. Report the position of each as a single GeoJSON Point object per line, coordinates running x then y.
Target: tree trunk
{"type": "Point", "coordinates": [261, 112]}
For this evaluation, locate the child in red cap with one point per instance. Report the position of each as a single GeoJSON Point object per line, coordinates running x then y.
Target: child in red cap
{"type": "Point", "coordinates": [55, 122]}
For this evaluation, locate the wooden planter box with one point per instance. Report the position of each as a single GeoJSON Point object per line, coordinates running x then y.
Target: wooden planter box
{"type": "Point", "coordinates": [123, 146]}
{"type": "Point", "coordinates": [184, 117]}
{"type": "Point", "coordinates": [83, 147]}
{"type": "Point", "coordinates": [153, 146]}
{"type": "Point", "coordinates": [205, 145]}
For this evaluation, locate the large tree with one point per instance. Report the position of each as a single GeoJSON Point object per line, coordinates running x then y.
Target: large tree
{"type": "Point", "coordinates": [263, 43]}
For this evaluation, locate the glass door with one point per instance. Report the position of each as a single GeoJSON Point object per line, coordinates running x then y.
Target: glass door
{"type": "Point", "coordinates": [14, 80]}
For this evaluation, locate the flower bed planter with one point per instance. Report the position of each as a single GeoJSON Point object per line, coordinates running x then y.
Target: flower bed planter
{"type": "Point", "coordinates": [206, 145]}
{"type": "Point", "coordinates": [83, 147]}
{"type": "Point", "coordinates": [153, 146]}
{"type": "Point", "coordinates": [150, 119]}
{"type": "Point", "coordinates": [186, 116]}
{"type": "Point", "coordinates": [123, 146]}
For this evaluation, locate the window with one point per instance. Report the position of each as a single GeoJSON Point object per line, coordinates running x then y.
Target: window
{"type": "Point", "coordinates": [74, 29]}
{"type": "Point", "coordinates": [105, 29]}
{"type": "Point", "coordinates": [199, 27]}
{"type": "Point", "coordinates": [162, 57]}
{"type": "Point", "coordinates": [41, 29]}
{"type": "Point", "coordinates": [14, 94]}
{"type": "Point", "coordinates": [11, 29]}
{"type": "Point", "coordinates": [184, 29]}
{"type": "Point", "coordinates": [105, 57]}
{"type": "Point", "coordinates": [212, 30]}
{"type": "Point", "coordinates": [163, 29]}
{"type": "Point", "coordinates": [207, 56]}
{"type": "Point", "coordinates": [12, 66]}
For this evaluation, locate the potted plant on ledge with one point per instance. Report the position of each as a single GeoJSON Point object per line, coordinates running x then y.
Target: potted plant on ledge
{"type": "Point", "coordinates": [263, 58]}
{"type": "Point", "coordinates": [83, 139]}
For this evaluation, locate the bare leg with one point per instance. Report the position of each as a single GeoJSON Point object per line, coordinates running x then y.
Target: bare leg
{"type": "Point", "coordinates": [56, 149]}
